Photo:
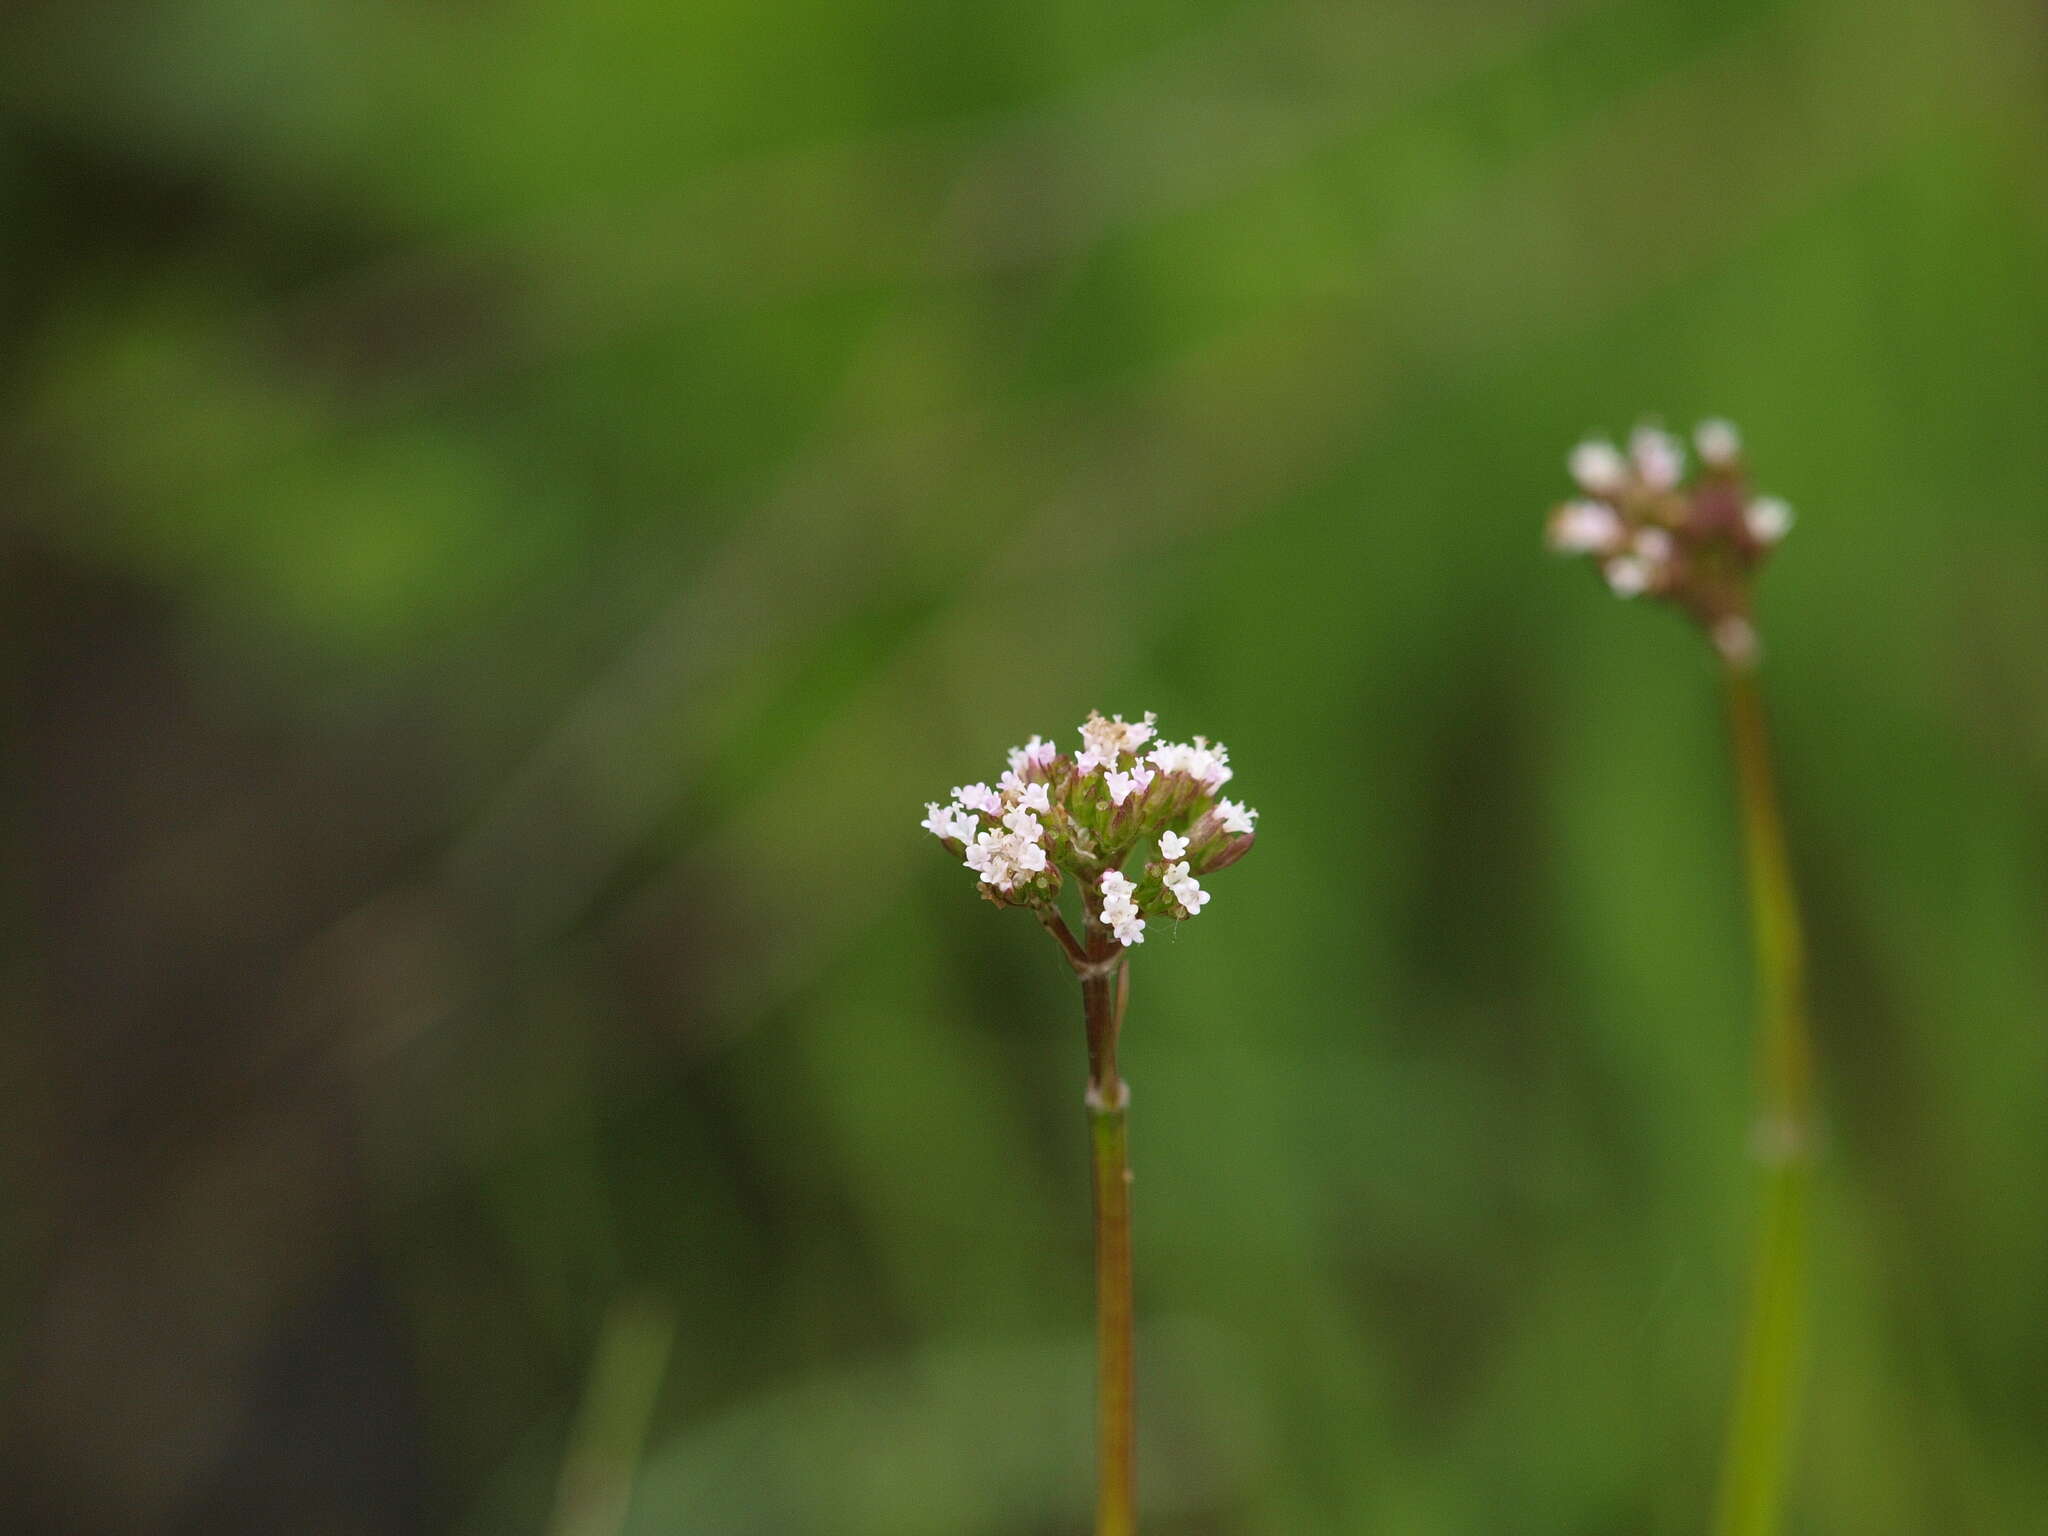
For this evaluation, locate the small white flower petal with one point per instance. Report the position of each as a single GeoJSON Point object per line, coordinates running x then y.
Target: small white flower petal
{"type": "Point", "coordinates": [1718, 443]}
{"type": "Point", "coordinates": [1627, 575]}
{"type": "Point", "coordinates": [1659, 460]}
{"type": "Point", "coordinates": [1599, 468]}
{"type": "Point", "coordinates": [1768, 519]}
{"type": "Point", "coordinates": [1236, 819]}
{"type": "Point", "coordinates": [979, 797]}
{"type": "Point", "coordinates": [1023, 824]}
{"type": "Point", "coordinates": [1586, 528]}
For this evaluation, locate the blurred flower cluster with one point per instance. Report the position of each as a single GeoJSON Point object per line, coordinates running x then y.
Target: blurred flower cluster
{"type": "Point", "coordinates": [1652, 534]}
{"type": "Point", "coordinates": [1052, 816]}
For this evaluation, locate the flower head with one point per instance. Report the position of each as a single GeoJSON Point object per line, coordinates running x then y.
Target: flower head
{"type": "Point", "coordinates": [1050, 818]}
{"type": "Point", "coordinates": [1651, 534]}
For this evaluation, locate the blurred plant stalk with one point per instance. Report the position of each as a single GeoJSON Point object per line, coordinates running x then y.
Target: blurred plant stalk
{"type": "Point", "coordinates": [1761, 1418]}
{"type": "Point", "coordinates": [595, 1489]}
{"type": "Point", "coordinates": [1697, 545]}
{"type": "Point", "coordinates": [1105, 988]}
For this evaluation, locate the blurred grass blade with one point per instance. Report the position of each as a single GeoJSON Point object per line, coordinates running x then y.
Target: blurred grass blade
{"type": "Point", "coordinates": [611, 1429]}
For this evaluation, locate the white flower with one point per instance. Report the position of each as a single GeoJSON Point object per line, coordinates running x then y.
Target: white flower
{"type": "Point", "coordinates": [986, 857]}
{"type": "Point", "coordinates": [1627, 575]}
{"type": "Point", "coordinates": [979, 797]}
{"type": "Point", "coordinates": [1106, 738]}
{"type": "Point", "coordinates": [1198, 760]}
{"type": "Point", "coordinates": [1123, 785]}
{"type": "Point", "coordinates": [1023, 824]}
{"type": "Point", "coordinates": [1035, 753]}
{"type": "Point", "coordinates": [1032, 796]}
{"type": "Point", "coordinates": [1210, 764]}
{"type": "Point", "coordinates": [949, 821]}
{"type": "Point", "coordinates": [1654, 545]}
{"type": "Point", "coordinates": [1585, 528]}
{"type": "Point", "coordinates": [1235, 818]}
{"type": "Point", "coordinates": [1119, 912]}
{"type": "Point", "coordinates": [1186, 889]}
{"type": "Point", "coordinates": [1599, 468]}
{"type": "Point", "coordinates": [1719, 444]}
{"type": "Point", "coordinates": [1768, 519]}
{"type": "Point", "coordinates": [1660, 461]}
{"type": "Point", "coordinates": [1015, 834]}
{"type": "Point", "coordinates": [1000, 857]}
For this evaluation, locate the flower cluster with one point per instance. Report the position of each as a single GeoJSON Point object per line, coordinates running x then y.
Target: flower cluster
{"type": "Point", "coordinates": [1051, 816]}
{"type": "Point", "coordinates": [1120, 910]}
{"type": "Point", "coordinates": [1696, 546]}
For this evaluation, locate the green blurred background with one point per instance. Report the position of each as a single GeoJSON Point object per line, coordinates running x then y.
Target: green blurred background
{"type": "Point", "coordinates": [509, 510]}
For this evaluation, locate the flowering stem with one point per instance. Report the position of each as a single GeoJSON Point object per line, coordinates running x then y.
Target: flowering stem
{"type": "Point", "coordinates": [1104, 987]}
{"type": "Point", "coordinates": [1057, 926]}
{"type": "Point", "coordinates": [1761, 1417]}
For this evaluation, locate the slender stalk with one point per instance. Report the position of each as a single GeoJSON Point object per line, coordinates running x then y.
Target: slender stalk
{"type": "Point", "coordinates": [1761, 1418]}
{"type": "Point", "coordinates": [1104, 984]}
{"type": "Point", "coordinates": [595, 1488]}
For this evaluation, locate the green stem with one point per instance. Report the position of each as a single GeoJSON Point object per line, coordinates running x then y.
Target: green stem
{"type": "Point", "coordinates": [596, 1483]}
{"type": "Point", "coordinates": [1761, 1417]}
{"type": "Point", "coordinates": [1102, 995]}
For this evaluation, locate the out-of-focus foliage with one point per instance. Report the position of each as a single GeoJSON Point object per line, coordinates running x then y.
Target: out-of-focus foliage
{"type": "Point", "coordinates": [510, 509]}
